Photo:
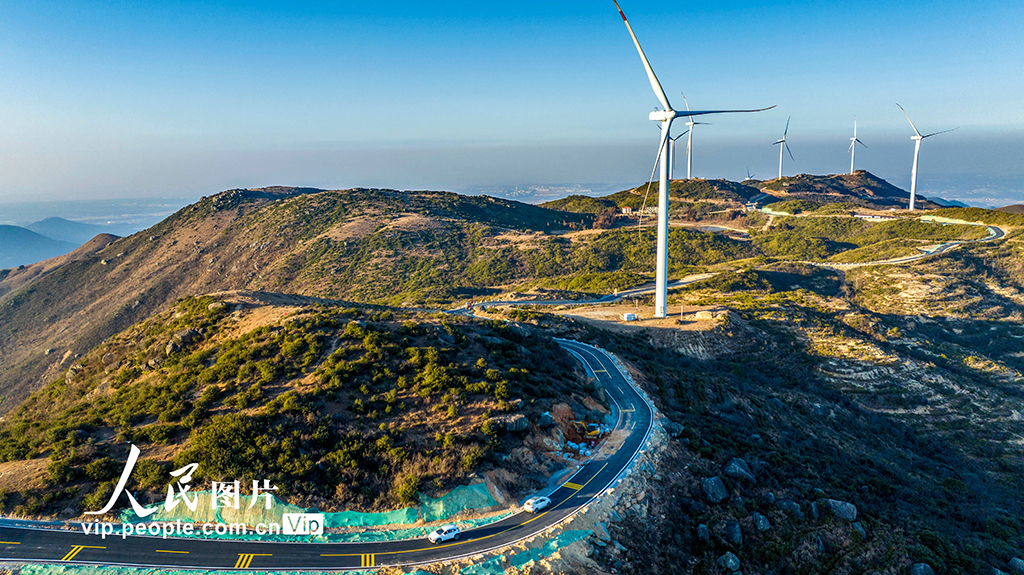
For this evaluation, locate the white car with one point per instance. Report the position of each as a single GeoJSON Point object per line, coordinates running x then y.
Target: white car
{"type": "Point", "coordinates": [535, 504]}
{"type": "Point", "coordinates": [444, 533]}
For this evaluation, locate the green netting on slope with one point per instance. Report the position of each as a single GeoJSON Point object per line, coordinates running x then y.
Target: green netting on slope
{"type": "Point", "coordinates": [205, 513]}
{"type": "Point", "coordinates": [562, 540]}
{"type": "Point", "coordinates": [490, 567]}
{"type": "Point", "coordinates": [357, 519]}
{"type": "Point", "coordinates": [457, 500]}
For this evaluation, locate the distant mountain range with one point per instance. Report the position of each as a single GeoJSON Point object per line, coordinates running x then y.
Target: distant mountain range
{"type": "Point", "coordinates": [20, 246]}
{"type": "Point", "coordinates": [47, 239]}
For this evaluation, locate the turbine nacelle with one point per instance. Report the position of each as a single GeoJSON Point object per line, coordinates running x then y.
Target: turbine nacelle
{"type": "Point", "coordinates": [664, 115]}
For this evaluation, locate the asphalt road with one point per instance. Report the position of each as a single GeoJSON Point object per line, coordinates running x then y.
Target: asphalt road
{"type": "Point", "coordinates": [635, 418]}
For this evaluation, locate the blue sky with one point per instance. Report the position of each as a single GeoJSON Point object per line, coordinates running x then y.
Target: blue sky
{"type": "Point", "coordinates": [119, 99]}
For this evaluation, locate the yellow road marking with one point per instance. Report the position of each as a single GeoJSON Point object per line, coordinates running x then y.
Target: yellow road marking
{"type": "Point", "coordinates": [74, 551]}
{"type": "Point", "coordinates": [245, 559]}
{"type": "Point", "coordinates": [10, 543]}
{"type": "Point", "coordinates": [573, 486]}
{"type": "Point", "coordinates": [167, 551]}
{"type": "Point", "coordinates": [628, 410]}
{"type": "Point", "coordinates": [600, 371]}
{"type": "Point", "coordinates": [368, 560]}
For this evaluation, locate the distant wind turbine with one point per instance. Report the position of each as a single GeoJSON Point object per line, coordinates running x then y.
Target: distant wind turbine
{"type": "Point", "coordinates": [672, 155]}
{"type": "Point", "coordinates": [689, 141]}
{"type": "Point", "coordinates": [665, 116]}
{"type": "Point", "coordinates": [853, 144]}
{"type": "Point", "coordinates": [784, 147]}
{"type": "Point", "coordinates": [917, 137]}
{"type": "Point", "coordinates": [749, 175]}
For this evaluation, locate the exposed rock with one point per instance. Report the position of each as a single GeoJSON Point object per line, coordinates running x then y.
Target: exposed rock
{"type": "Point", "coordinates": [49, 351]}
{"type": "Point", "coordinates": [513, 423]}
{"type": "Point", "coordinates": [674, 429]}
{"type": "Point", "coordinates": [703, 533]}
{"type": "Point", "coordinates": [737, 468]}
{"type": "Point", "coordinates": [842, 509]}
{"type": "Point", "coordinates": [186, 336]}
{"type": "Point", "coordinates": [155, 363]}
{"type": "Point", "coordinates": [491, 340]}
{"type": "Point", "coordinates": [791, 507]}
{"type": "Point", "coordinates": [921, 569]}
{"type": "Point", "coordinates": [738, 503]}
{"type": "Point", "coordinates": [733, 534]}
{"type": "Point", "coordinates": [761, 522]}
{"type": "Point", "coordinates": [108, 358]}
{"type": "Point", "coordinates": [815, 512]}
{"type": "Point", "coordinates": [729, 562]}
{"type": "Point", "coordinates": [171, 347]}
{"type": "Point", "coordinates": [768, 498]}
{"type": "Point", "coordinates": [216, 306]}
{"type": "Point", "coordinates": [516, 404]}
{"type": "Point", "coordinates": [1017, 565]}
{"type": "Point", "coordinates": [994, 571]}
{"type": "Point", "coordinates": [859, 528]}
{"type": "Point", "coordinates": [545, 420]}
{"type": "Point", "coordinates": [714, 489]}
{"type": "Point", "coordinates": [601, 531]}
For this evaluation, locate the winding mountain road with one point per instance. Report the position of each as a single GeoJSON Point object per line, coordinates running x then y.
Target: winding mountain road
{"type": "Point", "coordinates": [37, 544]}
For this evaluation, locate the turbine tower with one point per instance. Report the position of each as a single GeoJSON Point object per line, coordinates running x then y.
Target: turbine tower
{"type": "Point", "coordinates": [917, 137]}
{"type": "Point", "coordinates": [853, 144]}
{"type": "Point", "coordinates": [665, 117]}
{"type": "Point", "coordinates": [784, 147]}
{"type": "Point", "coordinates": [689, 141]}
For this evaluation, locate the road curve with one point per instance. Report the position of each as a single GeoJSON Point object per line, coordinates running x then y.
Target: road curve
{"type": "Point", "coordinates": [635, 418]}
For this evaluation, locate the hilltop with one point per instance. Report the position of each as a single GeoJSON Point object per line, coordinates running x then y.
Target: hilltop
{"type": "Point", "coordinates": [860, 188]}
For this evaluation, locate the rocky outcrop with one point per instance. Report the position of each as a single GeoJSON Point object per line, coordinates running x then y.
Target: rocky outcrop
{"type": "Point", "coordinates": [714, 489]}
{"type": "Point", "coordinates": [921, 569]}
{"type": "Point", "coordinates": [841, 509]}
{"type": "Point", "coordinates": [737, 468]}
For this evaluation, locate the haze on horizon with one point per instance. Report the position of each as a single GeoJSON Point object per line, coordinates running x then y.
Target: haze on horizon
{"type": "Point", "coordinates": [186, 99]}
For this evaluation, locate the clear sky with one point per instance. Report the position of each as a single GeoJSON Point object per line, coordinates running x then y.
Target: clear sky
{"type": "Point", "coordinates": [121, 99]}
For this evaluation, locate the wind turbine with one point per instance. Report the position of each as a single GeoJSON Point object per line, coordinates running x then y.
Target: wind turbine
{"type": "Point", "coordinates": [665, 116]}
{"type": "Point", "coordinates": [749, 175]}
{"type": "Point", "coordinates": [917, 137]}
{"type": "Point", "coordinates": [784, 147]}
{"type": "Point", "coordinates": [853, 144]}
{"type": "Point", "coordinates": [689, 141]}
{"type": "Point", "coordinates": [672, 155]}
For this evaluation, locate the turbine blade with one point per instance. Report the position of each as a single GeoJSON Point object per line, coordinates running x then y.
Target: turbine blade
{"type": "Point", "coordinates": [909, 120]}
{"type": "Point", "coordinates": [862, 143]}
{"type": "Point", "coordinates": [851, 147]}
{"type": "Point", "coordinates": [785, 145]}
{"type": "Point", "coordinates": [686, 102]}
{"type": "Point", "coordinates": [786, 133]}
{"type": "Point", "coordinates": [942, 132]}
{"type": "Point", "coordinates": [655, 84]}
{"type": "Point", "coordinates": [706, 112]}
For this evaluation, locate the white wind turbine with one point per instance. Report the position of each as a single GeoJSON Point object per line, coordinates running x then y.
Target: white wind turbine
{"type": "Point", "coordinates": [784, 147]}
{"type": "Point", "coordinates": [917, 137]}
{"type": "Point", "coordinates": [665, 116]}
{"type": "Point", "coordinates": [672, 155]}
{"type": "Point", "coordinates": [689, 141]}
{"type": "Point", "coordinates": [853, 144]}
